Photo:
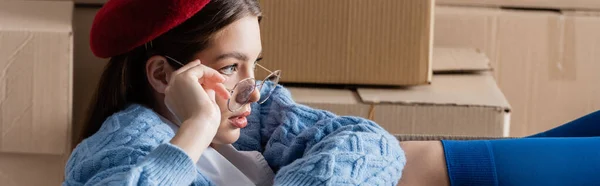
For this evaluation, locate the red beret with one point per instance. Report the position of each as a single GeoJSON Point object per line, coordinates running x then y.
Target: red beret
{"type": "Point", "coordinates": [122, 25]}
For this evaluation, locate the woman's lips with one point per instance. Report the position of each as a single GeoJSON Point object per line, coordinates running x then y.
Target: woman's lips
{"type": "Point", "coordinates": [240, 121]}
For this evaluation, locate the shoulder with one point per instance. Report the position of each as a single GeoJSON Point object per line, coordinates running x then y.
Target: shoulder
{"type": "Point", "coordinates": [124, 138]}
{"type": "Point", "coordinates": [136, 125]}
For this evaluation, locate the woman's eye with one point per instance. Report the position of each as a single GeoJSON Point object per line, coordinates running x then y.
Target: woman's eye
{"type": "Point", "coordinates": [228, 70]}
{"type": "Point", "coordinates": [256, 62]}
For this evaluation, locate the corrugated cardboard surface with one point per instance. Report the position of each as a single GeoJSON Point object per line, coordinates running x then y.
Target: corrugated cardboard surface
{"type": "Point", "coordinates": [31, 170]}
{"type": "Point", "coordinates": [449, 89]}
{"type": "Point", "coordinates": [461, 104]}
{"type": "Point", "coordinates": [36, 49]}
{"type": "Point", "coordinates": [545, 62]}
{"type": "Point", "coordinates": [477, 30]}
{"type": "Point", "coordinates": [466, 104]}
{"type": "Point", "coordinates": [35, 84]}
{"type": "Point", "coordinates": [455, 104]}
{"type": "Point", "coordinates": [378, 42]}
{"type": "Point", "coordinates": [42, 0]}
{"type": "Point", "coordinates": [552, 4]}
{"type": "Point", "coordinates": [449, 60]}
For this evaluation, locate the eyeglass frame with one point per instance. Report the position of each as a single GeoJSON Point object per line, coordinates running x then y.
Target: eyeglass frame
{"type": "Point", "coordinates": [275, 73]}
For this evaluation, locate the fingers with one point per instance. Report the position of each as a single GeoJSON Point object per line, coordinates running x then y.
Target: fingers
{"type": "Point", "coordinates": [207, 77]}
{"type": "Point", "coordinates": [210, 93]}
{"type": "Point", "coordinates": [183, 69]}
{"type": "Point", "coordinates": [219, 89]}
{"type": "Point", "coordinates": [222, 91]}
{"type": "Point", "coordinates": [210, 74]}
{"type": "Point", "coordinates": [205, 74]}
{"type": "Point", "coordinates": [188, 66]}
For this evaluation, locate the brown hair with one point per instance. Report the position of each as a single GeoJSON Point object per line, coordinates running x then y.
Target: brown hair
{"type": "Point", "coordinates": [124, 78]}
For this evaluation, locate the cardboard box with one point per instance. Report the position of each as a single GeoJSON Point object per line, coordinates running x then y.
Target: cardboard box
{"type": "Point", "coordinates": [36, 57]}
{"type": "Point", "coordinates": [90, 2]}
{"type": "Point", "coordinates": [547, 4]}
{"type": "Point", "coordinates": [31, 170]}
{"type": "Point", "coordinates": [456, 60]}
{"type": "Point", "coordinates": [44, 0]}
{"type": "Point", "coordinates": [468, 104]}
{"type": "Point", "coordinates": [545, 61]}
{"type": "Point", "coordinates": [377, 42]}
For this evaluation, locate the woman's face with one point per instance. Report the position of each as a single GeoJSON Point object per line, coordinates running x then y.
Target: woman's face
{"type": "Point", "coordinates": [233, 52]}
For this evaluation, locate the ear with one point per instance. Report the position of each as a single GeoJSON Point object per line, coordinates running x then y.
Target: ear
{"type": "Point", "coordinates": [158, 72]}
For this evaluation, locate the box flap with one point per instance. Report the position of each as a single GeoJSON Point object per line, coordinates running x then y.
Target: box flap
{"type": "Point", "coordinates": [36, 15]}
{"type": "Point", "coordinates": [448, 89]}
{"type": "Point", "coordinates": [323, 95]}
{"type": "Point", "coordinates": [459, 60]}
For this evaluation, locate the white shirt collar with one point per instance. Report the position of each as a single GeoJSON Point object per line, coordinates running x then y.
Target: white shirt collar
{"type": "Point", "coordinates": [227, 166]}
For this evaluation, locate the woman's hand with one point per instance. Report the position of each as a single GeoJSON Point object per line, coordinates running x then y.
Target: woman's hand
{"type": "Point", "coordinates": [190, 93]}
{"type": "Point", "coordinates": [190, 96]}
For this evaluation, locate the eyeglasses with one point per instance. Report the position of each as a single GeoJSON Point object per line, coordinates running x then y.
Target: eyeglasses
{"type": "Point", "coordinates": [242, 91]}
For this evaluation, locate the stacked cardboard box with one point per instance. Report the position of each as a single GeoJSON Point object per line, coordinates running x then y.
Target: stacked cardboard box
{"type": "Point", "coordinates": [544, 54]}
{"type": "Point", "coordinates": [463, 100]}
{"type": "Point", "coordinates": [376, 42]}
{"type": "Point", "coordinates": [378, 47]}
{"type": "Point", "coordinates": [36, 55]}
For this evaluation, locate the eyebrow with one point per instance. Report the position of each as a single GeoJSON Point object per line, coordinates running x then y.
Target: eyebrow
{"type": "Point", "coordinates": [236, 55]}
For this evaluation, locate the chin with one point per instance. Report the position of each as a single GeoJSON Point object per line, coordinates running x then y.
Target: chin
{"type": "Point", "coordinates": [226, 135]}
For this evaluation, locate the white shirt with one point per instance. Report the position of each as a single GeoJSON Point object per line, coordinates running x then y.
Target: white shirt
{"type": "Point", "coordinates": [225, 165]}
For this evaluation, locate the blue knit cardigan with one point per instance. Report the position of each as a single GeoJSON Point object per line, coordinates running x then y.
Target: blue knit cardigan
{"type": "Point", "coordinates": [304, 146]}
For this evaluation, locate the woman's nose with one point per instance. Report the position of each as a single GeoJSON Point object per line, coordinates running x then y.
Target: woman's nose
{"type": "Point", "coordinates": [255, 95]}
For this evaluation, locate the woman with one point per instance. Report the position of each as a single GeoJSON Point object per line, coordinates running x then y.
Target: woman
{"type": "Point", "coordinates": [178, 91]}
{"type": "Point", "coordinates": [158, 120]}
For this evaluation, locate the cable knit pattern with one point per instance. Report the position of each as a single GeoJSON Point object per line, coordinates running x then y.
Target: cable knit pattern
{"type": "Point", "coordinates": [304, 146]}
{"type": "Point", "coordinates": [315, 147]}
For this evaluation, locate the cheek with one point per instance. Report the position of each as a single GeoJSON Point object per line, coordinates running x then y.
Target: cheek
{"type": "Point", "coordinates": [222, 102]}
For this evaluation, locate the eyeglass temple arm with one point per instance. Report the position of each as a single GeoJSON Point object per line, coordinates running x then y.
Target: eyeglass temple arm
{"type": "Point", "coordinates": [175, 61]}
{"type": "Point", "coordinates": [184, 65]}
{"type": "Point", "coordinates": [264, 68]}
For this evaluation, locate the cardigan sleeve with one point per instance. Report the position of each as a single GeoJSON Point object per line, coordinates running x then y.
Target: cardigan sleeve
{"type": "Point", "coordinates": [307, 146]}
{"type": "Point", "coordinates": [166, 165]}
{"type": "Point", "coordinates": [540, 160]}
{"type": "Point", "coordinates": [131, 156]}
{"type": "Point", "coordinates": [264, 120]}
